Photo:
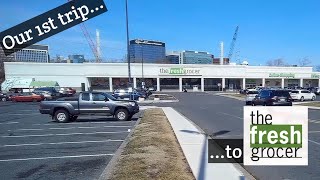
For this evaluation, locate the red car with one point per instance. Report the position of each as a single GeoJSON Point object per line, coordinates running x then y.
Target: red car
{"type": "Point", "coordinates": [27, 97]}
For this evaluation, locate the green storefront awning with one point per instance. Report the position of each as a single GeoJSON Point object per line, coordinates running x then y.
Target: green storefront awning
{"type": "Point", "coordinates": [44, 84]}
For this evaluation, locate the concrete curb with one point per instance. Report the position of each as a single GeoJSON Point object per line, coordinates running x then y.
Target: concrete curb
{"type": "Point", "coordinates": [107, 172]}
{"type": "Point", "coordinates": [192, 146]}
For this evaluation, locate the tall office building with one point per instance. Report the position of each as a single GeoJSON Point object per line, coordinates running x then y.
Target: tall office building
{"type": "Point", "coordinates": [147, 51]}
{"type": "Point", "coordinates": [173, 57]}
{"type": "Point", "coordinates": [195, 57]}
{"type": "Point", "coordinates": [33, 53]}
{"type": "Point", "coordinates": [77, 58]}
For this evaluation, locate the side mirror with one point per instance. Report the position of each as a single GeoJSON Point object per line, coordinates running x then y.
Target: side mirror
{"type": "Point", "coordinates": [106, 99]}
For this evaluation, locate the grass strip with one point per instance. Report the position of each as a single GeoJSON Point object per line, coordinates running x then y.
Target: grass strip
{"type": "Point", "coordinates": [152, 152]}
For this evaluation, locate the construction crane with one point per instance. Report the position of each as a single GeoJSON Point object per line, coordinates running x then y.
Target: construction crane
{"type": "Point", "coordinates": [234, 39]}
{"type": "Point", "coordinates": [93, 47]}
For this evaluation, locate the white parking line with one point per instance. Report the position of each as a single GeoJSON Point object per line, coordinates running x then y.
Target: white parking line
{"type": "Point", "coordinates": [24, 114]}
{"type": "Point", "coordinates": [314, 142]}
{"type": "Point", "coordinates": [10, 123]}
{"type": "Point", "coordinates": [70, 134]}
{"type": "Point", "coordinates": [314, 121]}
{"type": "Point", "coordinates": [59, 157]}
{"type": "Point", "coordinates": [314, 131]}
{"type": "Point", "coordinates": [75, 123]}
{"type": "Point", "coordinates": [27, 130]}
{"type": "Point", "coordinates": [58, 143]}
{"type": "Point", "coordinates": [230, 115]}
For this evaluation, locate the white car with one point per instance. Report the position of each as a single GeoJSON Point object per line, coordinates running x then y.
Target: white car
{"type": "Point", "coordinates": [251, 94]}
{"type": "Point", "coordinates": [302, 95]}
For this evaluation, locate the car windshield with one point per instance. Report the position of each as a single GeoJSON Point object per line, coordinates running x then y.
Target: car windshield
{"type": "Point", "coordinates": [281, 93]}
{"type": "Point", "coordinates": [295, 92]}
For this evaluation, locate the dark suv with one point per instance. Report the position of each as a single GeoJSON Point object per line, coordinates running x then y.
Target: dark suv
{"type": "Point", "coordinates": [273, 98]}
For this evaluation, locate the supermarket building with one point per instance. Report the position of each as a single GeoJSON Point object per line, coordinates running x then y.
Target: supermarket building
{"type": "Point", "coordinates": [163, 77]}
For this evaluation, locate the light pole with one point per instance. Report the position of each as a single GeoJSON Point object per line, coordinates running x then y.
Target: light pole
{"type": "Point", "coordinates": [128, 44]}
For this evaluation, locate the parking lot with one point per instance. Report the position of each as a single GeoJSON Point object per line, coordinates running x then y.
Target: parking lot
{"type": "Point", "coordinates": [34, 147]}
{"type": "Point", "coordinates": [222, 115]}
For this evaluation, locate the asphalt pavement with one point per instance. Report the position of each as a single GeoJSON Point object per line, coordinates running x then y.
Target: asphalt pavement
{"type": "Point", "coordinates": [34, 147]}
{"type": "Point", "coordinates": [222, 115]}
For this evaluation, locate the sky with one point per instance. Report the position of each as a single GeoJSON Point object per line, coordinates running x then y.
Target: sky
{"type": "Point", "coordinates": [268, 29]}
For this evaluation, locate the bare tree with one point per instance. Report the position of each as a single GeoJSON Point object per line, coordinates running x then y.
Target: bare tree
{"type": "Point", "coordinates": [276, 62]}
{"type": "Point", "coordinates": [304, 62]}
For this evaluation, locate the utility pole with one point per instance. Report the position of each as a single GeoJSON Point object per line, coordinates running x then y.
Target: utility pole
{"type": "Point", "coordinates": [128, 44]}
{"type": "Point", "coordinates": [143, 83]}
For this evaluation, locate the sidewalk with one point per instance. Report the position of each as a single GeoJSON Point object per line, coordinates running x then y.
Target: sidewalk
{"type": "Point", "coordinates": [194, 146]}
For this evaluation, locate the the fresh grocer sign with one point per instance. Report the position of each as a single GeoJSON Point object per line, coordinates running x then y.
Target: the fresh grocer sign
{"type": "Point", "coordinates": [179, 71]}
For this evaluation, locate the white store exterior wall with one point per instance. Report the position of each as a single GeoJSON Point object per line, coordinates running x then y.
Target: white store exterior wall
{"type": "Point", "coordinates": [72, 75]}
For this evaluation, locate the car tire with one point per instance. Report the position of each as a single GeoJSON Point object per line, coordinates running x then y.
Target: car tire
{"type": "Point", "coordinates": [313, 98]}
{"type": "Point", "coordinates": [4, 99]}
{"type": "Point", "coordinates": [61, 116]}
{"type": "Point", "coordinates": [265, 104]}
{"type": "Point", "coordinates": [122, 114]}
{"type": "Point", "coordinates": [302, 98]}
{"type": "Point", "coordinates": [253, 104]}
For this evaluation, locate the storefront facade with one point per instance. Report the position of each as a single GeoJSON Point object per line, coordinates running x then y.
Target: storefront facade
{"type": "Point", "coordinates": [164, 77]}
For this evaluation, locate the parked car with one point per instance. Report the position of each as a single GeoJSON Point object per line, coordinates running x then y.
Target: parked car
{"type": "Point", "coordinates": [48, 92]}
{"type": "Point", "coordinates": [67, 91]}
{"type": "Point", "coordinates": [314, 90]}
{"type": "Point", "coordinates": [97, 103]}
{"type": "Point", "coordinates": [250, 96]}
{"type": "Point", "coordinates": [145, 92]}
{"type": "Point", "coordinates": [125, 94]}
{"type": "Point", "coordinates": [4, 97]}
{"type": "Point", "coordinates": [151, 88]}
{"type": "Point", "coordinates": [272, 98]}
{"type": "Point", "coordinates": [27, 97]}
{"type": "Point", "coordinates": [302, 95]}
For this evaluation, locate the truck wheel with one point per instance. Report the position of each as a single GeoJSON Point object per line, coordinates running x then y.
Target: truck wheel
{"type": "Point", "coordinates": [122, 115]}
{"type": "Point", "coordinates": [61, 116]}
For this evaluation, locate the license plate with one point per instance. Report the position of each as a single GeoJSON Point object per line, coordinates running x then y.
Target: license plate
{"type": "Point", "coordinates": [282, 100]}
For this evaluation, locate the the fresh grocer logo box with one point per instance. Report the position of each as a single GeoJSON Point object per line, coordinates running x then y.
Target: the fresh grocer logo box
{"type": "Point", "coordinates": [275, 135]}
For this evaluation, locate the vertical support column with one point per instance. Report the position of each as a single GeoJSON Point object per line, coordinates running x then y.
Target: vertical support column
{"type": "Point", "coordinates": [244, 83]}
{"type": "Point", "coordinates": [110, 84]}
{"type": "Point", "coordinates": [223, 83]}
{"type": "Point", "coordinates": [134, 82]}
{"type": "Point", "coordinates": [202, 84]}
{"type": "Point", "coordinates": [263, 82]}
{"type": "Point", "coordinates": [158, 84]}
{"type": "Point", "coordinates": [319, 83]}
{"type": "Point", "coordinates": [301, 82]}
{"type": "Point", "coordinates": [282, 83]}
{"type": "Point", "coordinates": [180, 84]}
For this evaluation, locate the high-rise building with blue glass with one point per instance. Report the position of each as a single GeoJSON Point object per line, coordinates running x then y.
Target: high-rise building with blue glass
{"type": "Point", "coordinates": [196, 57]}
{"type": "Point", "coordinates": [147, 51]}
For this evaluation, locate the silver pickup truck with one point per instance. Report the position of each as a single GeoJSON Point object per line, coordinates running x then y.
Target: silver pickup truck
{"type": "Point", "coordinates": [96, 103]}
